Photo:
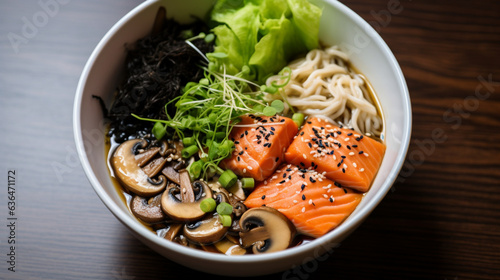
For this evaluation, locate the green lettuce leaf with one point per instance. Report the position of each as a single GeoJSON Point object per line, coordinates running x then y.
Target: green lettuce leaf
{"type": "Point", "coordinates": [262, 34]}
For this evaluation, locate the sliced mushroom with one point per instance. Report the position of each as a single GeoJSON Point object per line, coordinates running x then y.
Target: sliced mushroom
{"type": "Point", "coordinates": [148, 211]}
{"type": "Point", "coordinates": [207, 231]}
{"type": "Point", "coordinates": [238, 207]}
{"type": "Point", "coordinates": [171, 174]}
{"type": "Point", "coordinates": [130, 174]}
{"type": "Point", "coordinates": [229, 247]}
{"type": "Point", "coordinates": [182, 203]}
{"type": "Point", "coordinates": [266, 230]}
{"type": "Point", "coordinates": [237, 191]}
{"type": "Point", "coordinates": [172, 231]}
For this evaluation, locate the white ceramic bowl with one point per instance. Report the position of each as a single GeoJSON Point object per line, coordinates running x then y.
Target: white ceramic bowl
{"type": "Point", "coordinates": [340, 26]}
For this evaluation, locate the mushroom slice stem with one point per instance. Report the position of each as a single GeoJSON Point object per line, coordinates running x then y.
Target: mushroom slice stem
{"type": "Point", "coordinates": [266, 230]}
{"type": "Point", "coordinates": [154, 166]}
{"type": "Point", "coordinates": [171, 174]}
{"type": "Point", "coordinates": [146, 156]}
{"type": "Point", "coordinates": [182, 207]}
{"type": "Point", "coordinates": [227, 247]}
{"type": "Point", "coordinates": [130, 174]}
{"type": "Point", "coordinates": [172, 231]}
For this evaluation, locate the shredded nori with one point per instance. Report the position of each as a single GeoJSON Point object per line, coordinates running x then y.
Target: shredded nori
{"type": "Point", "coordinates": [157, 68]}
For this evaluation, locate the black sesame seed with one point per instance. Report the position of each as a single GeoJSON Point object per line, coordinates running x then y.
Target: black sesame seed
{"type": "Point", "coordinates": [263, 197]}
{"type": "Point", "coordinates": [272, 128]}
{"type": "Point", "coordinates": [354, 146]}
{"type": "Point", "coordinates": [277, 159]}
{"type": "Point", "coordinates": [349, 134]}
{"type": "Point", "coordinates": [240, 153]}
{"type": "Point", "coordinates": [345, 191]}
{"type": "Point", "coordinates": [288, 169]}
{"type": "Point", "coordinates": [303, 197]}
{"type": "Point", "coordinates": [312, 180]}
{"type": "Point", "coordinates": [242, 135]}
{"type": "Point", "coordinates": [360, 152]}
{"type": "Point", "coordinates": [331, 199]}
{"type": "Point", "coordinates": [246, 132]}
{"type": "Point", "coordinates": [309, 144]}
{"type": "Point", "coordinates": [303, 186]}
{"type": "Point", "coordinates": [282, 182]}
{"type": "Point", "coordinates": [348, 147]}
{"type": "Point", "coordinates": [343, 170]}
{"type": "Point", "coordinates": [238, 158]}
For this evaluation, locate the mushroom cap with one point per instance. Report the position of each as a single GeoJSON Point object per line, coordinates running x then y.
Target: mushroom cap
{"type": "Point", "coordinates": [130, 174]}
{"type": "Point", "coordinates": [146, 210]}
{"type": "Point", "coordinates": [207, 231]}
{"type": "Point", "coordinates": [182, 209]}
{"type": "Point", "coordinates": [266, 230]}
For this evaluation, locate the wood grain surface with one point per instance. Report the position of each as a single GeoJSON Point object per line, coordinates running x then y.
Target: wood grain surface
{"type": "Point", "coordinates": [440, 221]}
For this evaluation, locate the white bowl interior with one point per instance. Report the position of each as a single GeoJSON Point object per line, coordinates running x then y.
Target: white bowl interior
{"type": "Point", "coordinates": [340, 26]}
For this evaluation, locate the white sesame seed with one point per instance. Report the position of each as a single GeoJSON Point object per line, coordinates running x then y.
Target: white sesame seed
{"type": "Point", "coordinates": [303, 209]}
{"type": "Point", "coordinates": [345, 165]}
{"type": "Point", "coordinates": [347, 139]}
{"type": "Point", "coordinates": [351, 153]}
{"type": "Point", "coordinates": [249, 167]}
{"type": "Point", "coordinates": [310, 201]}
{"type": "Point", "coordinates": [354, 164]}
{"type": "Point", "coordinates": [366, 155]}
{"type": "Point", "coordinates": [361, 170]}
{"type": "Point", "coordinates": [304, 155]}
{"type": "Point", "coordinates": [295, 201]}
{"type": "Point", "coordinates": [325, 195]}
{"type": "Point", "coordinates": [244, 170]}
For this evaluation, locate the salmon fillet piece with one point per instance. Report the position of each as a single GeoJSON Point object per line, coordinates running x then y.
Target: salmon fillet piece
{"type": "Point", "coordinates": [260, 145]}
{"type": "Point", "coordinates": [312, 202]}
{"type": "Point", "coordinates": [345, 156]}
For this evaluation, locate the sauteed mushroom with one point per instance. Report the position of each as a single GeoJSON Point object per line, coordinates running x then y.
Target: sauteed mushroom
{"type": "Point", "coordinates": [266, 230]}
{"type": "Point", "coordinates": [130, 174]}
{"type": "Point", "coordinates": [148, 211]}
{"type": "Point", "coordinates": [182, 203]}
{"type": "Point", "coordinates": [206, 231]}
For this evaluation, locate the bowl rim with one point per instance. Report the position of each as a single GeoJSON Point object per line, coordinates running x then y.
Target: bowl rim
{"type": "Point", "coordinates": [343, 229]}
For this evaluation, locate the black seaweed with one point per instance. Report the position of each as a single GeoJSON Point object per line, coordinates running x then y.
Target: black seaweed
{"type": "Point", "coordinates": [157, 68]}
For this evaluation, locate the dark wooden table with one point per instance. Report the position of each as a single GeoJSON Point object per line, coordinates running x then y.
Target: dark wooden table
{"type": "Point", "coordinates": [440, 221]}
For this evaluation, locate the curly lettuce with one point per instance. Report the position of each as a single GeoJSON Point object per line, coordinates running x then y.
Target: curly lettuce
{"type": "Point", "coordinates": [257, 38]}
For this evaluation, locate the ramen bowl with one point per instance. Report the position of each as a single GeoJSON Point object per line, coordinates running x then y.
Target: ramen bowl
{"type": "Point", "coordinates": [339, 26]}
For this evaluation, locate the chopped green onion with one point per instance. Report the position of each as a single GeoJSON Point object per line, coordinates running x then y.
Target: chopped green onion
{"type": "Point", "coordinates": [159, 130]}
{"type": "Point", "coordinates": [298, 118]}
{"type": "Point", "coordinates": [187, 152]}
{"type": "Point", "coordinates": [195, 169]}
{"type": "Point", "coordinates": [225, 220]}
{"type": "Point", "coordinates": [188, 141]}
{"type": "Point", "coordinates": [224, 208]}
{"type": "Point", "coordinates": [248, 183]}
{"type": "Point", "coordinates": [207, 205]}
{"type": "Point", "coordinates": [228, 178]}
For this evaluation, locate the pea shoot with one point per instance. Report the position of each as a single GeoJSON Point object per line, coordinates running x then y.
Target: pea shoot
{"type": "Point", "coordinates": [205, 114]}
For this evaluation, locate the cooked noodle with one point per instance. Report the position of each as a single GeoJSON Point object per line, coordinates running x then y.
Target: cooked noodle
{"type": "Point", "coordinates": [323, 85]}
